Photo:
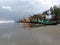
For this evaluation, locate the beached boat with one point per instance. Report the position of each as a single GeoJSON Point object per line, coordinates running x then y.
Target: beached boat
{"type": "Point", "coordinates": [45, 22]}
{"type": "Point", "coordinates": [58, 21]}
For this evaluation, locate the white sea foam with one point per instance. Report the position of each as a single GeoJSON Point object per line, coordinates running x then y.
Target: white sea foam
{"type": "Point", "coordinates": [7, 21]}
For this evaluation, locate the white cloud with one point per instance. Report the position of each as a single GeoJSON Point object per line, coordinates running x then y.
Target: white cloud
{"type": "Point", "coordinates": [6, 7]}
{"type": "Point", "coordinates": [49, 2]}
{"type": "Point", "coordinates": [26, 7]}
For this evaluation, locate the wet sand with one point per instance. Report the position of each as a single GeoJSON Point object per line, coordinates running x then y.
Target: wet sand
{"type": "Point", "coordinates": [23, 34]}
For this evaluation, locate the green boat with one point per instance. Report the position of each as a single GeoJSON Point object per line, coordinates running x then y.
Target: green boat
{"type": "Point", "coordinates": [33, 21]}
{"type": "Point", "coordinates": [45, 22]}
{"type": "Point", "coordinates": [58, 21]}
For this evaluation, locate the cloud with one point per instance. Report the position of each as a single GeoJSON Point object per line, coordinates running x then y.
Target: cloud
{"type": "Point", "coordinates": [6, 7]}
{"type": "Point", "coordinates": [19, 4]}
{"type": "Point", "coordinates": [22, 8]}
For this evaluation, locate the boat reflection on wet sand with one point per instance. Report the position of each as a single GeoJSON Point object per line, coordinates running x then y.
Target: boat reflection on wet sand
{"type": "Point", "coordinates": [30, 25]}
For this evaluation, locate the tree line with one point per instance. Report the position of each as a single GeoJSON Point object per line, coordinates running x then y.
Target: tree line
{"type": "Point", "coordinates": [55, 10]}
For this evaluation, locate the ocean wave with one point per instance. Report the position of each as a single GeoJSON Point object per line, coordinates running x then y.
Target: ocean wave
{"type": "Point", "coordinates": [7, 21]}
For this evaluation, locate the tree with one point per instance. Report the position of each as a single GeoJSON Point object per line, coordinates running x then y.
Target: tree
{"type": "Point", "coordinates": [54, 11]}
{"type": "Point", "coordinates": [45, 12]}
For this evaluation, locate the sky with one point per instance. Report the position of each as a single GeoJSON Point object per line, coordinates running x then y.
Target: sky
{"type": "Point", "coordinates": [15, 9]}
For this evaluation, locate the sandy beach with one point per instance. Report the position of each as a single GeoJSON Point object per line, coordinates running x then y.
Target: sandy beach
{"type": "Point", "coordinates": [22, 34]}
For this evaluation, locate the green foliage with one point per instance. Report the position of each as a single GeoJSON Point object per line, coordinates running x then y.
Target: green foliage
{"type": "Point", "coordinates": [54, 11]}
{"type": "Point", "coordinates": [45, 12]}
